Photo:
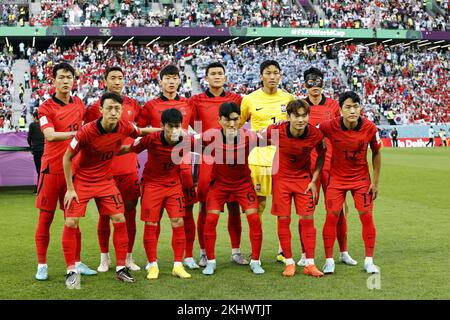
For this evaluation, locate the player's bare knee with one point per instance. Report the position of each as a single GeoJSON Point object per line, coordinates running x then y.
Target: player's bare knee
{"type": "Point", "coordinates": [176, 222]}
{"type": "Point", "coordinates": [306, 217]}
{"type": "Point", "coordinates": [362, 212]}
{"type": "Point", "coordinates": [153, 224]}
{"type": "Point", "coordinates": [251, 211]}
{"type": "Point", "coordinates": [118, 218]}
{"type": "Point", "coordinates": [72, 222]}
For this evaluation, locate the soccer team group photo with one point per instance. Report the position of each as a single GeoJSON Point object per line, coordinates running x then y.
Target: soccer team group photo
{"type": "Point", "coordinates": [212, 150]}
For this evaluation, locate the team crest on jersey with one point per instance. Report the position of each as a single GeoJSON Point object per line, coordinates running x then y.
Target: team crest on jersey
{"type": "Point", "coordinates": [258, 187]}
{"type": "Point", "coordinates": [283, 108]}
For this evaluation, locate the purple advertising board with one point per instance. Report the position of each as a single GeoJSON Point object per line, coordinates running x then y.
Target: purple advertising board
{"type": "Point", "coordinates": [436, 35]}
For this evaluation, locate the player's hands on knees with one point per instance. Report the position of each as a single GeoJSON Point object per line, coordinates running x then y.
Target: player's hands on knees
{"type": "Point", "coordinates": [313, 188]}
{"type": "Point", "coordinates": [373, 190]}
{"type": "Point", "coordinates": [68, 198]}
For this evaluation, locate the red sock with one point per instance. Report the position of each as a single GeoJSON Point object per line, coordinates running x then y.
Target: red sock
{"type": "Point", "coordinates": [120, 241]}
{"type": "Point", "coordinates": [300, 232]}
{"type": "Point", "coordinates": [284, 236]}
{"type": "Point", "coordinates": [78, 250]}
{"type": "Point", "coordinates": [254, 223]}
{"type": "Point", "coordinates": [158, 228]}
{"type": "Point", "coordinates": [201, 225]}
{"type": "Point", "coordinates": [42, 236]}
{"type": "Point", "coordinates": [69, 244]}
{"type": "Point", "coordinates": [342, 232]}
{"type": "Point", "coordinates": [234, 225]}
{"type": "Point", "coordinates": [329, 234]}
{"type": "Point", "coordinates": [210, 235]}
{"type": "Point", "coordinates": [178, 243]}
{"type": "Point", "coordinates": [150, 242]}
{"type": "Point", "coordinates": [368, 232]}
{"type": "Point", "coordinates": [130, 219]}
{"type": "Point", "coordinates": [189, 229]}
{"type": "Point", "coordinates": [103, 233]}
{"type": "Point", "coordinates": [308, 237]}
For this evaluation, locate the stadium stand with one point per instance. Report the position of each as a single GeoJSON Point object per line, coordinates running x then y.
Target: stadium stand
{"type": "Point", "coordinates": [404, 15]}
{"type": "Point", "coordinates": [141, 65]}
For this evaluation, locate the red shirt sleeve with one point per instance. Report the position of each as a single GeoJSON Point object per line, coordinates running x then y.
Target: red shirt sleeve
{"type": "Point", "coordinates": [145, 118]}
{"type": "Point", "coordinates": [92, 113]}
{"type": "Point", "coordinates": [194, 115]}
{"type": "Point", "coordinates": [321, 146]}
{"type": "Point", "coordinates": [375, 141]}
{"type": "Point", "coordinates": [141, 145]}
{"type": "Point", "coordinates": [137, 110]}
{"type": "Point", "coordinates": [325, 128]}
{"type": "Point", "coordinates": [131, 130]}
{"type": "Point", "coordinates": [45, 118]}
{"type": "Point", "coordinates": [78, 141]}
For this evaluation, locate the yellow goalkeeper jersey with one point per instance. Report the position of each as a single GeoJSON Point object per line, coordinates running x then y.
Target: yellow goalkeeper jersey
{"type": "Point", "coordinates": [262, 110]}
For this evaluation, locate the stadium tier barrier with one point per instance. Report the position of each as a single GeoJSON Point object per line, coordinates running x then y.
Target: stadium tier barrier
{"type": "Point", "coordinates": [74, 31]}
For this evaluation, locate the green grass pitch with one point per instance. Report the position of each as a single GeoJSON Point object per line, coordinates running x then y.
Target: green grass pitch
{"type": "Point", "coordinates": [412, 217]}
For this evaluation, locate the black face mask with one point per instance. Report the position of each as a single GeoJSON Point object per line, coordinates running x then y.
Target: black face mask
{"type": "Point", "coordinates": [313, 80]}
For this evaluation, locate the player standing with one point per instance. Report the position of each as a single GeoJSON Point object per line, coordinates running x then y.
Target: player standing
{"type": "Point", "coordinates": [262, 108]}
{"type": "Point", "coordinates": [163, 190]}
{"type": "Point", "coordinates": [60, 117]}
{"type": "Point", "coordinates": [151, 115]}
{"type": "Point", "coordinates": [292, 179]}
{"type": "Point", "coordinates": [324, 109]}
{"type": "Point", "coordinates": [125, 170]}
{"type": "Point", "coordinates": [206, 108]}
{"type": "Point", "coordinates": [92, 178]}
{"type": "Point", "coordinates": [231, 176]}
{"type": "Point", "coordinates": [350, 136]}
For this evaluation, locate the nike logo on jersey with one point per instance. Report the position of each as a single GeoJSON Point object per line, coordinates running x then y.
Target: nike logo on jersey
{"type": "Point", "coordinates": [257, 109]}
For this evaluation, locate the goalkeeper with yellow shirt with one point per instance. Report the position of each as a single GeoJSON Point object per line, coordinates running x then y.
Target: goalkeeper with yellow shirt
{"type": "Point", "coordinates": [263, 107]}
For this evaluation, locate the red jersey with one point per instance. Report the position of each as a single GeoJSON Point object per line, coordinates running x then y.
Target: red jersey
{"type": "Point", "coordinates": [349, 166]}
{"type": "Point", "coordinates": [98, 147]}
{"type": "Point", "coordinates": [293, 156]}
{"type": "Point", "coordinates": [62, 117]}
{"type": "Point", "coordinates": [127, 163]}
{"type": "Point", "coordinates": [206, 107]}
{"type": "Point", "coordinates": [151, 112]}
{"type": "Point", "coordinates": [159, 167]}
{"type": "Point", "coordinates": [230, 167]}
{"type": "Point", "coordinates": [326, 110]}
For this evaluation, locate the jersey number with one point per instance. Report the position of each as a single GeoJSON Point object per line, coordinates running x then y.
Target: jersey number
{"type": "Point", "coordinates": [107, 155]}
{"type": "Point", "coordinates": [117, 199]}
{"type": "Point", "coordinates": [73, 127]}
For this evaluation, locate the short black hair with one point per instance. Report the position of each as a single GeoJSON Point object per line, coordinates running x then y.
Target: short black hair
{"type": "Point", "coordinates": [314, 71]}
{"type": "Point", "coordinates": [111, 95]}
{"type": "Point", "coordinates": [171, 115]}
{"type": "Point", "coordinates": [214, 65]}
{"type": "Point", "coordinates": [348, 95]}
{"type": "Point", "coordinates": [294, 105]}
{"type": "Point", "coordinates": [63, 66]}
{"type": "Point", "coordinates": [36, 114]}
{"type": "Point", "coordinates": [267, 64]}
{"type": "Point", "coordinates": [228, 108]}
{"type": "Point", "coordinates": [111, 69]}
{"type": "Point", "coordinates": [169, 70]}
